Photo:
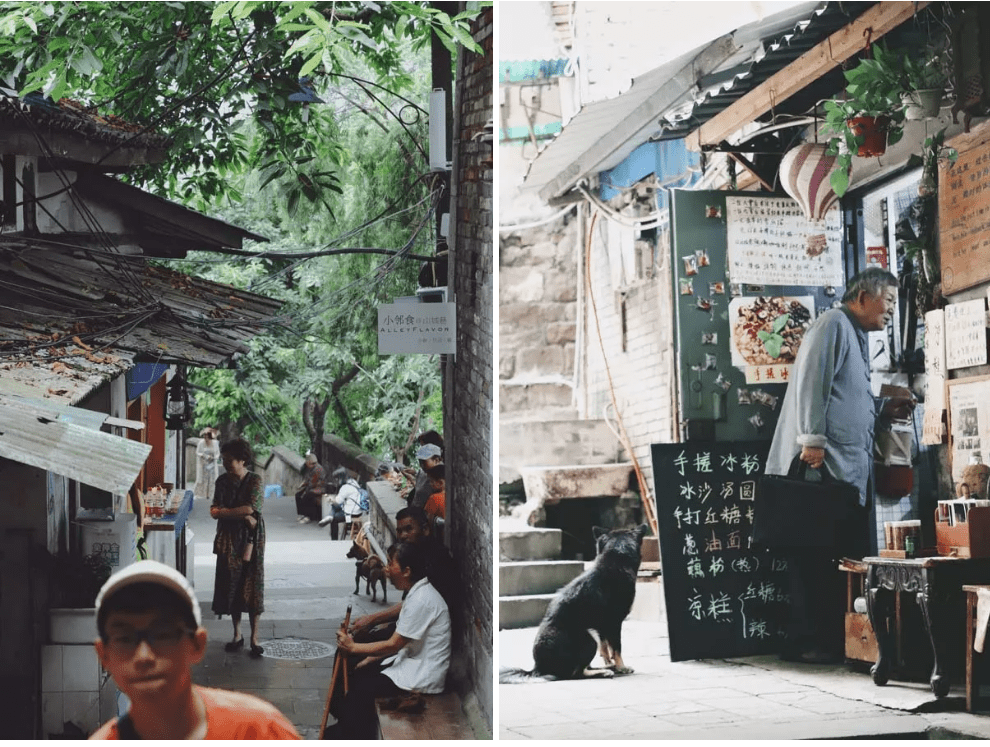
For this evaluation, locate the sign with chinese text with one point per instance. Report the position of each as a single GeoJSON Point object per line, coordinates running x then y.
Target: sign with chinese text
{"type": "Point", "coordinates": [722, 598]}
{"type": "Point", "coordinates": [405, 328]}
{"type": "Point", "coordinates": [966, 334]}
{"type": "Point", "coordinates": [770, 242]}
{"type": "Point", "coordinates": [964, 218]}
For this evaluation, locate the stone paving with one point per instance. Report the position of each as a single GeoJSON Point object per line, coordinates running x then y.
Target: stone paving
{"type": "Point", "coordinates": [756, 697]}
{"type": "Point", "coordinates": [308, 584]}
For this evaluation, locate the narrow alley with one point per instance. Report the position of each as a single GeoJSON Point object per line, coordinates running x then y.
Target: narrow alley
{"type": "Point", "coordinates": [308, 584]}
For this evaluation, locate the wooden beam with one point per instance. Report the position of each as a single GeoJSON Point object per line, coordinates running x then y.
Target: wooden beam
{"type": "Point", "coordinates": [806, 69]}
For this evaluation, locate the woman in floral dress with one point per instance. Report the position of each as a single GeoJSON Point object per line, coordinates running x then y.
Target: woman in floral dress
{"type": "Point", "coordinates": [239, 585]}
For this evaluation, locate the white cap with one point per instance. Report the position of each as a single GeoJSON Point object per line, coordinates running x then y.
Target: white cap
{"type": "Point", "coordinates": [428, 450]}
{"type": "Point", "coordinates": [151, 571]}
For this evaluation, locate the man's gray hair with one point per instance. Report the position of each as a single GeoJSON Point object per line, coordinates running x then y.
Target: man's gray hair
{"type": "Point", "coordinates": [873, 280]}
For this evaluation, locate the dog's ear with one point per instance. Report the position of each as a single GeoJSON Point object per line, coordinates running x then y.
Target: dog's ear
{"type": "Point", "coordinates": [643, 530]}
{"type": "Point", "coordinates": [597, 532]}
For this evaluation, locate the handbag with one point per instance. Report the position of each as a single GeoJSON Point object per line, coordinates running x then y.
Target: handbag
{"type": "Point", "coordinates": [791, 513]}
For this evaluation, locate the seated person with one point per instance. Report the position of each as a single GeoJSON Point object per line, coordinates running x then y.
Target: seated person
{"type": "Point", "coordinates": [151, 635]}
{"type": "Point", "coordinates": [429, 455]}
{"type": "Point", "coordinates": [413, 526]}
{"type": "Point", "coordinates": [348, 503]}
{"type": "Point", "coordinates": [418, 651]}
{"type": "Point", "coordinates": [435, 506]}
{"type": "Point", "coordinates": [309, 496]}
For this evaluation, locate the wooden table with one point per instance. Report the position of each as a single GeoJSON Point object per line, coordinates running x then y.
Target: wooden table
{"type": "Point", "coordinates": [938, 586]}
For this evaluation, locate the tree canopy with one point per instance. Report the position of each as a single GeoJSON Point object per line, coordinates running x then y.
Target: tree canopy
{"type": "Point", "coordinates": [301, 121]}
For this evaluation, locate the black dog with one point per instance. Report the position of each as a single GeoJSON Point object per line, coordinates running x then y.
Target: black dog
{"type": "Point", "coordinates": [370, 567]}
{"type": "Point", "coordinates": [599, 599]}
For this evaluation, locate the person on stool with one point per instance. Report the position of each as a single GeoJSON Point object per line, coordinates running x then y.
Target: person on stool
{"type": "Point", "coordinates": [309, 496]}
{"type": "Point", "coordinates": [345, 506]}
{"type": "Point", "coordinates": [418, 651]}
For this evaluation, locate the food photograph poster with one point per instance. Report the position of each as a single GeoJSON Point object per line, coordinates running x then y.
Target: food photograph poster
{"type": "Point", "coordinates": [765, 333]}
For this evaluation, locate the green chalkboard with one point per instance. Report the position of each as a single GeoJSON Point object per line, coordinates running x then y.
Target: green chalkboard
{"type": "Point", "coordinates": [712, 392]}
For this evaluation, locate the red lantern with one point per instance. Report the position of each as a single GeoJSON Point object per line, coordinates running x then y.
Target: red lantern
{"type": "Point", "coordinates": [805, 173]}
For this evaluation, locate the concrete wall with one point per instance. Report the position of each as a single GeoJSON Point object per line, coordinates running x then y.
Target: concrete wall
{"type": "Point", "coordinates": [640, 360]}
{"type": "Point", "coordinates": [468, 423]}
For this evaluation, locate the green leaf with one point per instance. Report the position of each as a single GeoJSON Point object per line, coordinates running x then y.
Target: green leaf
{"type": "Point", "coordinates": [317, 18]}
{"type": "Point", "coordinates": [780, 322]}
{"type": "Point", "coordinates": [773, 345]}
{"type": "Point", "coordinates": [311, 64]}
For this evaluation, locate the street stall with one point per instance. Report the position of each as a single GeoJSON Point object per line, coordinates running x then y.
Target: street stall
{"type": "Point", "coordinates": [750, 271]}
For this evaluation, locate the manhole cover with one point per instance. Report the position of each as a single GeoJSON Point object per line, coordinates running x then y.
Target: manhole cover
{"type": "Point", "coordinates": [293, 648]}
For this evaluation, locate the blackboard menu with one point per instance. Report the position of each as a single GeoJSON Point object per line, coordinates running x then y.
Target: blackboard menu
{"type": "Point", "coordinates": [723, 599]}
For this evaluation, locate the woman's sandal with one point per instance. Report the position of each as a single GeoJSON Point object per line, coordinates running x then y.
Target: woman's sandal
{"type": "Point", "coordinates": [234, 645]}
{"type": "Point", "coordinates": [256, 652]}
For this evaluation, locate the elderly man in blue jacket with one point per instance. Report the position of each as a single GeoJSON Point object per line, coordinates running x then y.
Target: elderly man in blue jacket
{"type": "Point", "coordinates": [828, 417]}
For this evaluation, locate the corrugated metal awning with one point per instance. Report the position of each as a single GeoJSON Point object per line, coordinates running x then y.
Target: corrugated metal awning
{"type": "Point", "coordinates": [52, 439]}
{"type": "Point", "coordinates": [73, 318]}
{"type": "Point", "coordinates": [604, 133]}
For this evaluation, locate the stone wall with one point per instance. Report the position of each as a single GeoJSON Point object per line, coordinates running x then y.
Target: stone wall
{"type": "Point", "coordinates": [468, 424]}
{"type": "Point", "coordinates": [537, 316]}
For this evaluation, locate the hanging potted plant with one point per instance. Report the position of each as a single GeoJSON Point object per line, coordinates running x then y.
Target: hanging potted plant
{"type": "Point", "coordinates": [924, 82]}
{"type": "Point", "coordinates": [868, 118]}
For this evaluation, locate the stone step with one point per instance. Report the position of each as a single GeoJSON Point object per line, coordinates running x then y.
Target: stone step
{"type": "Point", "coordinates": [522, 542]}
{"type": "Point", "coordinates": [554, 483]}
{"type": "Point", "coordinates": [522, 611]}
{"type": "Point", "coordinates": [554, 442]}
{"type": "Point", "coordinates": [536, 577]}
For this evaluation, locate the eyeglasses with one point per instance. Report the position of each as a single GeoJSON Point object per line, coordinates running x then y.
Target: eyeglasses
{"type": "Point", "coordinates": [161, 640]}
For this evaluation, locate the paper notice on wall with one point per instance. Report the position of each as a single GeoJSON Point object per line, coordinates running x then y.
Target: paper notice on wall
{"type": "Point", "coordinates": [770, 242]}
{"type": "Point", "coordinates": [966, 334]}
{"type": "Point", "coordinates": [933, 429]}
{"type": "Point", "coordinates": [969, 411]}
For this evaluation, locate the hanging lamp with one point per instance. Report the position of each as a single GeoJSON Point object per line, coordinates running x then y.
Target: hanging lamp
{"type": "Point", "coordinates": [805, 173]}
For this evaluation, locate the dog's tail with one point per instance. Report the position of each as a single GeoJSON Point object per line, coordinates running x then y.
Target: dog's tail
{"type": "Point", "coordinates": [514, 676]}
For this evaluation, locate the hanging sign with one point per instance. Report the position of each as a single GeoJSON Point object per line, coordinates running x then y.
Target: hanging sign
{"type": "Point", "coordinates": [410, 328]}
{"type": "Point", "coordinates": [933, 429]}
{"type": "Point", "coordinates": [770, 242]}
{"type": "Point", "coordinates": [722, 598]}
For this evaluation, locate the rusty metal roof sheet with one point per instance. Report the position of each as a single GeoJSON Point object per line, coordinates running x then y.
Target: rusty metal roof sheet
{"type": "Point", "coordinates": [72, 318]}
{"type": "Point", "coordinates": [31, 435]}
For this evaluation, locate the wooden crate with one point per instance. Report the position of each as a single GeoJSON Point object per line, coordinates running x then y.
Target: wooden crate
{"type": "Point", "coordinates": [970, 539]}
{"type": "Point", "coordinates": [861, 642]}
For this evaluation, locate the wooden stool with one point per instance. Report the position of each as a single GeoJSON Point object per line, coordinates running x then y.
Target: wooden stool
{"type": "Point", "coordinates": [356, 525]}
{"type": "Point", "coordinates": [441, 717]}
{"type": "Point", "coordinates": [972, 685]}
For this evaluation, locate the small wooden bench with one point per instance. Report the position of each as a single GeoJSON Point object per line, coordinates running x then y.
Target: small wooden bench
{"type": "Point", "coordinates": [443, 718]}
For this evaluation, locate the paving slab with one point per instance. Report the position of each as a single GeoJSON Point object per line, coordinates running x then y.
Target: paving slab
{"type": "Point", "coordinates": [759, 697]}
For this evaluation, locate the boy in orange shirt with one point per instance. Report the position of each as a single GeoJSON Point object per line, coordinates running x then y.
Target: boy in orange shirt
{"type": "Point", "coordinates": [151, 635]}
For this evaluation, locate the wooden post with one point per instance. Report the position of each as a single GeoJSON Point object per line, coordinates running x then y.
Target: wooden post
{"type": "Point", "coordinates": [339, 664]}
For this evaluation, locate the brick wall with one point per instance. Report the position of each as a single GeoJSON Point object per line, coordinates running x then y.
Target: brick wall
{"type": "Point", "coordinates": [643, 373]}
{"type": "Point", "coordinates": [468, 425]}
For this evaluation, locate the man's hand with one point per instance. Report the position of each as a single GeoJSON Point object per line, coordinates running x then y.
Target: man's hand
{"type": "Point", "coordinates": [361, 625]}
{"type": "Point", "coordinates": [813, 456]}
{"type": "Point", "coordinates": [367, 661]}
{"type": "Point", "coordinates": [344, 642]}
{"type": "Point", "coordinates": [899, 407]}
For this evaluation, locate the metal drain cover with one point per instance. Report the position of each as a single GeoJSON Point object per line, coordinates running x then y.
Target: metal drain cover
{"type": "Point", "coordinates": [294, 648]}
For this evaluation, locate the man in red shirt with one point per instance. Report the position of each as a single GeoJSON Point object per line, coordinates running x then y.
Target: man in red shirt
{"type": "Point", "coordinates": [151, 635]}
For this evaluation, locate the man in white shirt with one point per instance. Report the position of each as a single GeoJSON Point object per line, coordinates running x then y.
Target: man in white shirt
{"type": "Point", "coordinates": [418, 653]}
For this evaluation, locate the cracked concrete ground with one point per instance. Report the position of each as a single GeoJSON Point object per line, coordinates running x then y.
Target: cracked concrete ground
{"type": "Point", "coordinates": [757, 697]}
